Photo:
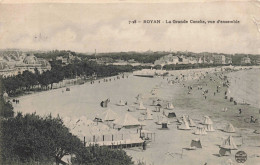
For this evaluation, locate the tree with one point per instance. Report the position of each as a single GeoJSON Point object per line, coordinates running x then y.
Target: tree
{"type": "Point", "coordinates": [31, 138]}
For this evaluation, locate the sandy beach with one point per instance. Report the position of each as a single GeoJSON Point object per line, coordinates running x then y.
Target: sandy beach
{"type": "Point", "coordinates": [170, 146]}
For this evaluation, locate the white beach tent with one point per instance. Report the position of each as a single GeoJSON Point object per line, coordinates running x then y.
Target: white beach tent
{"type": "Point", "coordinates": [207, 120]}
{"type": "Point", "coordinates": [128, 121]}
{"type": "Point", "coordinates": [148, 115]}
{"type": "Point", "coordinates": [191, 122]}
{"type": "Point", "coordinates": [226, 147]}
{"type": "Point", "coordinates": [141, 106]}
{"type": "Point", "coordinates": [108, 115]}
{"type": "Point", "coordinates": [229, 128]}
{"type": "Point", "coordinates": [209, 128]}
{"type": "Point", "coordinates": [229, 143]}
{"type": "Point", "coordinates": [169, 106]}
{"type": "Point", "coordinates": [121, 103]}
{"type": "Point", "coordinates": [184, 125]}
{"type": "Point", "coordinates": [200, 130]}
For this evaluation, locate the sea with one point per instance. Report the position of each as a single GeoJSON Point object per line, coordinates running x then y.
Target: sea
{"type": "Point", "coordinates": [245, 86]}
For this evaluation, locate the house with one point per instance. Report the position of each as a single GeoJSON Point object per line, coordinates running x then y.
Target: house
{"type": "Point", "coordinates": [168, 59]}
{"type": "Point", "coordinates": [245, 60]}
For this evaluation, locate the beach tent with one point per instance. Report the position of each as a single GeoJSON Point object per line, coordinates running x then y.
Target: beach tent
{"type": "Point", "coordinates": [191, 122]}
{"type": "Point", "coordinates": [141, 106]}
{"type": "Point", "coordinates": [139, 97]}
{"type": "Point", "coordinates": [184, 126]}
{"type": "Point", "coordinates": [154, 103]}
{"type": "Point", "coordinates": [108, 115]}
{"type": "Point", "coordinates": [229, 143]}
{"type": "Point", "coordinates": [128, 121]}
{"type": "Point", "coordinates": [162, 119]}
{"type": "Point", "coordinates": [159, 119]}
{"type": "Point", "coordinates": [195, 143]}
{"type": "Point", "coordinates": [207, 120]}
{"type": "Point", "coordinates": [200, 131]}
{"type": "Point", "coordinates": [153, 92]}
{"type": "Point", "coordinates": [148, 115]}
{"type": "Point", "coordinates": [226, 147]}
{"type": "Point", "coordinates": [121, 103]}
{"type": "Point", "coordinates": [104, 104]}
{"type": "Point", "coordinates": [229, 128]}
{"type": "Point", "coordinates": [209, 128]}
{"type": "Point", "coordinates": [169, 106]}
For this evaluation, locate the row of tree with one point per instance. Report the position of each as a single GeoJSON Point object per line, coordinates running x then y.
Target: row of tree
{"type": "Point", "coordinates": [28, 81]}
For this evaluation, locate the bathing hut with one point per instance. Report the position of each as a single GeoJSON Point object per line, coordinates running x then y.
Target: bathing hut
{"type": "Point", "coordinates": [200, 130]}
{"type": "Point", "coordinates": [226, 147]}
{"type": "Point", "coordinates": [229, 128]}
{"type": "Point", "coordinates": [141, 106]}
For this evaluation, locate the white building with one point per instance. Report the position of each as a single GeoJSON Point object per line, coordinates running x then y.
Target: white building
{"type": "Point", "coordinates": [10, 67]}
{"type": "Point", "coordinates": [219, 59]}
{"type": "Point", "coordinates": [169, 59]}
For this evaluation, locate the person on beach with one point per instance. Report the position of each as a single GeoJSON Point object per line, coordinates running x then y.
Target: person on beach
{"type": "Point", "coordinates": [240, 111]}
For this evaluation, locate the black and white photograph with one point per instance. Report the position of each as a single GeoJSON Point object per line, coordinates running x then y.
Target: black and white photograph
{"type": "Point", "coordinates": [126, 82]}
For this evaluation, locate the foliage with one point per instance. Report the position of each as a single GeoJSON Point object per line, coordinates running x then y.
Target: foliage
{"type": "Point", "coordinates": [95, 155]}
{"type": "Point", "coordinates": [6, 108]}
{"type": "Point", "coordinates": [27, 139]}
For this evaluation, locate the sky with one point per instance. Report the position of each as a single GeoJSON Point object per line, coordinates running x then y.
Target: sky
{"type": "Point", "coordinates": [105, 27]}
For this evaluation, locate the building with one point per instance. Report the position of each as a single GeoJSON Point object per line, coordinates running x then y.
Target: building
{"type": "Point", "coordinates": [219, 59]}
{"type": "Point", "coordinates": [245, 60]}
{"type": "Point", "coordinates": [13, 65]}
{"type": "Point", "coordinates": [166, 60]}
